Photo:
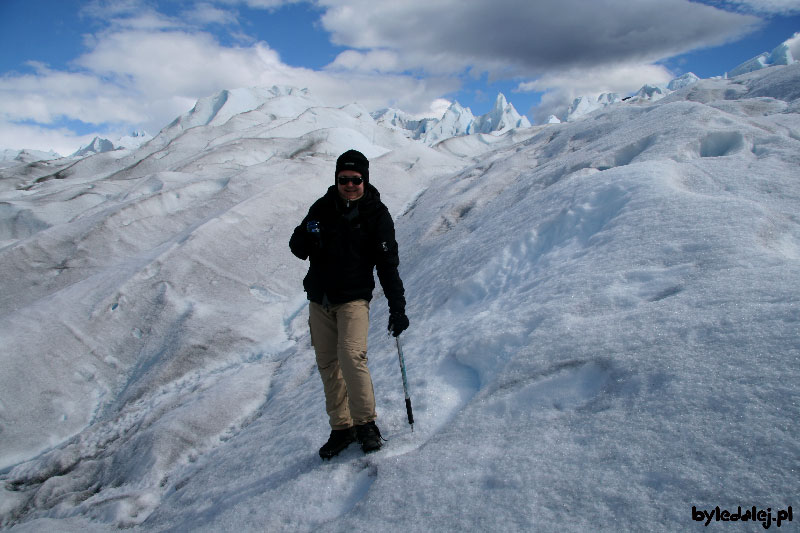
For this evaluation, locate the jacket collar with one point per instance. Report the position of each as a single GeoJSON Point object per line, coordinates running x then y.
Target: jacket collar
{"type": "Point", "coordinates": [365, 203]}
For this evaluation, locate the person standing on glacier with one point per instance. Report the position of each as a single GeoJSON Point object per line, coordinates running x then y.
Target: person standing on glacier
{"type": "Point", "coordinates": [346, 235]}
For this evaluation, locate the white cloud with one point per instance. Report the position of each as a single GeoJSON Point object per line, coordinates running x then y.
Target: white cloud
{"type": "Point", "coordinates": [373, 61]}
{"type": "Point", "coordinates": [27, 136]}
{"type": "Point", "coordinates": [204, 13]}
{"type": "Point", "coordinates": [438, 108]}
{"type": "Point", "coordinates": [519, 37]}
{"type": "Point", "coordinates": [619, 79]}
{"type": "Point", "coordinates": [50, 95]}
{"type": "Point", "coordinates": [772, 7]}
{"type": "Point", "coordinates": [144, 68]}
{"type": "Point", "coordinates": [109, 9]}
{"type": "Point", "coordinates": [794, 45]}
{"type": "Point", "coordinates": [177, 62]}
{"type": "Point", "coordinates": [566, 48]}
{"type": "Point", "coordinates": [128, 14]}
{"type": "Point", "coordinates": [145, 72]}
{"type": "Point", "coordinates": [263, 4]}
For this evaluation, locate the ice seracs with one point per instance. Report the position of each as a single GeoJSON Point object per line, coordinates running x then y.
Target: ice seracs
{"type": "Point", "coordinates": [501, 118]}
{"type": "Point", "coordinates": [97, 146]}
{"type": "Point", "coordinates": [396, 119]}
{"type": "Point", "coordinates": [583, 105]}
{"type": "Point", "coordinates": [587, 104]}
{"type": "Point", "coordinates": [101, 145]}
{"type": "Point", "coordinates": [456, 121]}
{"type": "Point", "coordinates": [785, 53]}
{"type": "Point", "coordinates": [683, 81]}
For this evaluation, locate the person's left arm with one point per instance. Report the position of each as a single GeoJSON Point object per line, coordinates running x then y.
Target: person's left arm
{"type": "Point", "coordinates": [387, 263]}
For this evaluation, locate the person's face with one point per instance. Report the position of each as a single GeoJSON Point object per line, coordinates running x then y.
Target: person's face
{"type": "Point", "coordinates": [349, 190]}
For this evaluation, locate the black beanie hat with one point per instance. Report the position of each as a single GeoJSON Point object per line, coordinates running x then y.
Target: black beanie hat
{"type": "Point", "coordinates": [353, 160]}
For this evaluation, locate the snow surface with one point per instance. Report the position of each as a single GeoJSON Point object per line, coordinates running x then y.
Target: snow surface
{"type": "Point", "coordinates": [604, 323]}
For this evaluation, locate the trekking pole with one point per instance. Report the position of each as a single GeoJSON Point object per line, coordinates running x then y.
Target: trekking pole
{"type": "Point", "coordinates": [405, 383]}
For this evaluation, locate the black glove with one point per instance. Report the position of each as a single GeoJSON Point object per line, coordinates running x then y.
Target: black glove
{"type": "Point", "coordinates": [398, 322]}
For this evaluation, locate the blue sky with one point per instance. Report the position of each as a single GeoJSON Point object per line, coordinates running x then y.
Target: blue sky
{"type": "Point", "coordinates": [71, 69]}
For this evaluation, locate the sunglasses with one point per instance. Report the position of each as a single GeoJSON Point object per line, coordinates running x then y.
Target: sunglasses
{"type": "Point", "coordinates": [355, 180]}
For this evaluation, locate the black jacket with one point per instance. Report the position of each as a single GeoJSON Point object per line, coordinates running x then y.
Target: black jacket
{"type": "Point", "coordinates": [352, 241]}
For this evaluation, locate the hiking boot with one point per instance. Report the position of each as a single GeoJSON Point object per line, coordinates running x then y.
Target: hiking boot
{"type": "Point", "coordinates": [369, 436]}
{"type": "Point", "coordinates": [338, 441]}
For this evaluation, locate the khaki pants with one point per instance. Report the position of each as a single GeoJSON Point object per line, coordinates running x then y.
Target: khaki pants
{"type": "Point", "coordinates": [339, 336]}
